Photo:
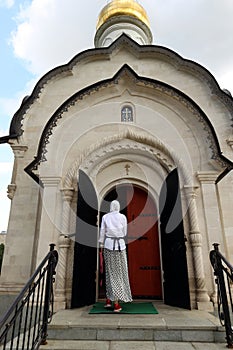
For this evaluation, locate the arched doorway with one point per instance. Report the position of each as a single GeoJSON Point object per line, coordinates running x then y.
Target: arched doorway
{"type": "Point", "coordinates": [143, 247]}
{"type": "Point", "coordinates": [143, 240]}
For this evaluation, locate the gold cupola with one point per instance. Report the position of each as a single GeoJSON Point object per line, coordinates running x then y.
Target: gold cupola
{"type": "Point", "coordinates": [122, 8]}
{"type": "Point", "coordinates": [122, 16]}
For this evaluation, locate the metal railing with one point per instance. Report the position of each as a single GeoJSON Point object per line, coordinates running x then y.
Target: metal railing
{"type": "Point", "coordinates": [223, 271]}
{"type": "Point", "coordinates": [24, 325]}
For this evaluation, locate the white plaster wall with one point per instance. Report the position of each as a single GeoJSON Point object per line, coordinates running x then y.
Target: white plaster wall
{"type": "Point", "coordinates": [18, 254]}
{"type": "Point", "coordinates": [97, 117]}
{"type": "Point", "coordinates": [157, 66]}
{"type": "Point", "coordinates": [112, 32]}
{"type": "Point", "coordinates": [225, 190]}
{"type": "Point", "coordinates": [2, 238]}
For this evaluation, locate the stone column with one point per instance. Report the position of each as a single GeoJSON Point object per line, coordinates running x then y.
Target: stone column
{"type": "Point", "coordinates": [67, 196]}
{"type": "Point", "coordinates": [60, 289]}
{"type": "Point", "coordinates": [16, 268]}
{"type": "Point", "coordinates": [212, 214]}
{"type": "Point", "coordinates": [211, 208]}
{"type": "Point", "coordinates": [63, 247]}
{"type": "Point", "coordinates": [49, 225]}
{"type": "Point", "coordinates": [202, 298]}
{"type": "Point", "coordinates": [19, 151]}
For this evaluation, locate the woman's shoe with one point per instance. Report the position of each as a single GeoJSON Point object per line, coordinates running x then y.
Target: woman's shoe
{"type": "Point", "coordinates": [117, 308]}
{"type": "Point", "coordinates": [108, 303]}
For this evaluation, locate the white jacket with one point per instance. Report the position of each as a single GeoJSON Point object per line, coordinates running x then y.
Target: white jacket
{"type": "Point", "coordinates": [113, 226]}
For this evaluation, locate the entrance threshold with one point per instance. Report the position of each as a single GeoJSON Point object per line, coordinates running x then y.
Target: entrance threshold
{"type": "Point", "coordinates": [170, 324]}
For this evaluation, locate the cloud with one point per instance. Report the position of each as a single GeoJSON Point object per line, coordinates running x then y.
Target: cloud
{"type": "Point", "coordinates": [5, 175]}
{"type": "Point", "coordinates": [226, 80]}
{"type": "Point", "coordinates": [4, 209]}
{"type": "Point", "coordinates": [199, 30]}
{"type": "Point", "coordinates": [5, 168]}
{"type": "Point", "coordinates": [7, 3]}
{"type": "Point", "coordinates": [9, 105]}
{"type": "Point", "coordinates": [49, 34]}
{"type": "Point", "coordinates": [3, 132]}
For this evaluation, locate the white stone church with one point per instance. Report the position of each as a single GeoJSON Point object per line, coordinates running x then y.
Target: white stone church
{"type": "Point", "coordinates": [136, 122]}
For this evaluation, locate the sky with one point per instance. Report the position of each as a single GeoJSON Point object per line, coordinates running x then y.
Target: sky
{"type": "Point", "coordinates": [38, 35]}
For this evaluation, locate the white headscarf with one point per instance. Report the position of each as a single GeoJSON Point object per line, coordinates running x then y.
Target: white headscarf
{"type": "Point", "coordinates": [115, 206]}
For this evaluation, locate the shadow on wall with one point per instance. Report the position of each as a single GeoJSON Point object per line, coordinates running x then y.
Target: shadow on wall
{"type": "Point", "coordinates": [1, 255]}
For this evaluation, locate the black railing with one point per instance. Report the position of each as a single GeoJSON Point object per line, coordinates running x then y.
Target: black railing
{"type": "Point", "coordinates": [24, 325]}
{"type": "Point", "coordinates": [223, 271]}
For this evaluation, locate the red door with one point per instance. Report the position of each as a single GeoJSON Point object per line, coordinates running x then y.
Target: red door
{"type": "Point", "coordinates": [143, 245]}
{"type": "Point", "coordinates": [143, 242]}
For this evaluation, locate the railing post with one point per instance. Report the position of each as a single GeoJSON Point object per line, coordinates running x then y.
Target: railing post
{"type": "Point", "coordinates": [20, 325]}
{"type": "Point", "coordinates": [48, 290]}
{"type": "Point", "coordinates": [219, 273]}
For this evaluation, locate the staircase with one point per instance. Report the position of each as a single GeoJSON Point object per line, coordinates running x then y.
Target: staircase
{"type": "Point", "coordinates": [172, 328]}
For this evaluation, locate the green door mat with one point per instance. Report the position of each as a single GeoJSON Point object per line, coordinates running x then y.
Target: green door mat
{"type": "Point", "coordinates": [127, 308]}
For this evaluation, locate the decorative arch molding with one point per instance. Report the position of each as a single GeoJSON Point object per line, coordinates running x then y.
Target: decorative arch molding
{"type": "Point", "coordinates": [99, 155]}
{"type": "Point", "coordinates": [133, 181]}
{"type": "Point", "coordinates": [127, 74]}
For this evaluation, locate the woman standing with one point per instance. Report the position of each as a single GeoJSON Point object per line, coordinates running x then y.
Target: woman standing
{"type": "Point", "coordinates": [113, 232]}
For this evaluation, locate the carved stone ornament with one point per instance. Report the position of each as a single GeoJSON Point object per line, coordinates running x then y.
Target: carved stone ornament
{"type": "Point", "coordinates": [139, 51]}
{"type": "Point", "coordinates": [128, 74]}
{"type": "Point", "coordinates": [11, 188]}
{"type": "Point", "coordinates": [230, 142]}
{"type": "Point", "coordinates": [98, 155]}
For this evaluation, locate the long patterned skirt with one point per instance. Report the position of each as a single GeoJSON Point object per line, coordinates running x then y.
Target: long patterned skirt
{"type": "Point", "coordinates": [116, 276]}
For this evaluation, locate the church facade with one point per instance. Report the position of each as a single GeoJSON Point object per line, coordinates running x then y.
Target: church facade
{"type": "Point", "coordinates": [131, 121]}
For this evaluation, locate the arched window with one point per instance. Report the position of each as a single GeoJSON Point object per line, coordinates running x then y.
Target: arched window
{"type": "Point", "coordinates": [127, 114]}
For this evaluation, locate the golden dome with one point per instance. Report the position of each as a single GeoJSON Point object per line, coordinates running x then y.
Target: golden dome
{"type": "Point", "coordinates": [122, 8]}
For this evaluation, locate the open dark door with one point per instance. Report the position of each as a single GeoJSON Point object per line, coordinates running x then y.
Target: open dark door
{"type": "Point", "coordinates": [175, 274]}
{"type": "Point", "coordinates": [85, 249]}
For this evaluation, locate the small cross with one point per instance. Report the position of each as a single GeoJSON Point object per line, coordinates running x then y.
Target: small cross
{"type": "Point", "coordinates": [127, 114]}
{"type": "Point", "coordinates": [127, 167]}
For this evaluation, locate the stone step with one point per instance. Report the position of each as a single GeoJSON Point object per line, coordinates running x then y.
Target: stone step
{"type": "Point", "coordinates": [171, 324]}
{"type": "Point", "coordinates": [136, 334]}
{"type": "Point", "coordinates": [129, 345]}
{"type": "Point", "coordinates": [172, 328]}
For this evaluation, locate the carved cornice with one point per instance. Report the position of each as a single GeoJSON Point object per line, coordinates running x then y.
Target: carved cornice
{"type": "Point", "coordinates": [207, 177]}
{"type": "Point", "coordinates": [126, 71]}
{"type": "Point", "coordinates": [50, 181]}
{"type": "Point", "coordinates": [19, 150]}
{"type": "Point", "coordinates": [16, 128]}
